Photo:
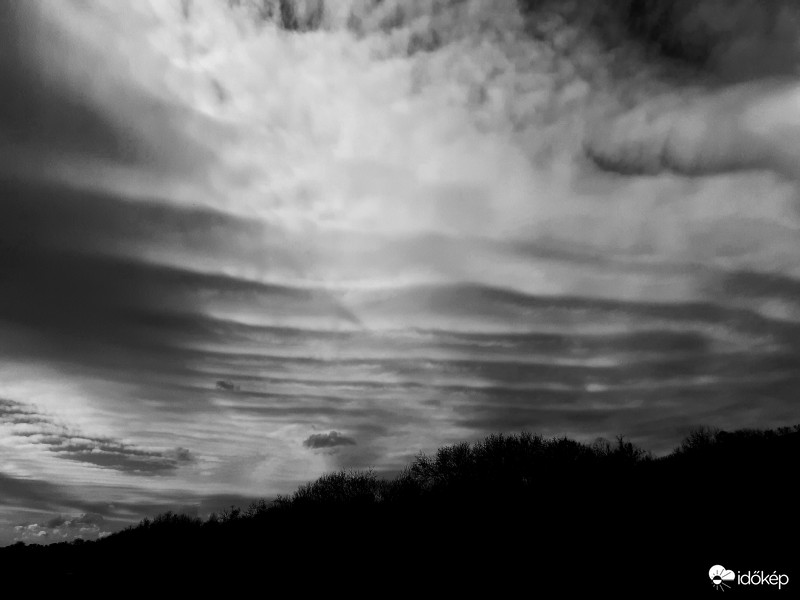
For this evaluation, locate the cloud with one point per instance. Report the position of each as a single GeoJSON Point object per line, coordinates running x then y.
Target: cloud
{"type": "Point", "coordinates": [327, 440]}
{"type": "Point", "coordinates": [717, 93]}
{"type": "Point", "coordinates": [106, 453]}
{"type": "Point", "coordinates": [29, 498]}
{"type": "Point", "coordinates": [571, 217]}
{"type": "Point", "coordinates": [68, 443]}
{"type": "Point", "coordinates": [738, 39]}
{"type": "Point", "coordinates": [227, 386]}
{"type": "Point", "coordinates": [87, 526]}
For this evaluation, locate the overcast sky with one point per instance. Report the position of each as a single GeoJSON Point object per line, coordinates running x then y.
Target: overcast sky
{"type": "Point", "coordinates": [246, 242]}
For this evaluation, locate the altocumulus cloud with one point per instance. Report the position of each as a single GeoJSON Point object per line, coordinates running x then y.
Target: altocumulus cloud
{"type": "Point", "coordinates": [331, 439]}
{"type": "Point", "coordinates": [33, 428]}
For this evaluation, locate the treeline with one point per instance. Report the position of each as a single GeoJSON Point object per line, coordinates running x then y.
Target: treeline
{"type": "Point", "coordinates": [600, 515]}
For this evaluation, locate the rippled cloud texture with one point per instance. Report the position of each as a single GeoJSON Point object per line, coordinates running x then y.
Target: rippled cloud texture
{"type": "Point", "coordinates": [246, 241]}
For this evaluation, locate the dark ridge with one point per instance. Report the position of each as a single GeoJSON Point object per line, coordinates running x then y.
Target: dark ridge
{"type": "Point", "coordinates": [554, 515]}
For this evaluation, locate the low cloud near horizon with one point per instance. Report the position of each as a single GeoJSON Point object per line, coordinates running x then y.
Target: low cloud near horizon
{"type": "Point", "coordinates": [231, 231]}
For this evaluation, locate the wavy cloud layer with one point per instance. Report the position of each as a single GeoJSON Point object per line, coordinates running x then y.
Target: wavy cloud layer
{"type": "Point", "coordinates": [231, 230]}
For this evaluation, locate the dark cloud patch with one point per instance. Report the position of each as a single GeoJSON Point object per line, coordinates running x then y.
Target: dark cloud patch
{"type": "Point", "coordinates": [751, 284]}
{"type": "Point", "coordinates": [110, 454]}
{"type": "Point", "coordinates": [227, 385]}
{"type": "Point", "coordinates": [736, 38]}
{"type": "Point", "coordinates": [331, 439]}
{"type": "Point", "coordinates": [374, 441]}
{"type": "Point", "coordinates": [733, 39]}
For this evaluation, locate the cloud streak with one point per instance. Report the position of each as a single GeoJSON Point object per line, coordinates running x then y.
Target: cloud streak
{"type": "Point", "coordinates": [20, 421]}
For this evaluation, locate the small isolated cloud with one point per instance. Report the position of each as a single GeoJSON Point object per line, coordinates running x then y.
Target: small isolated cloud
{"type": "Point", "coordinates": [226, 385]}
{"type": "Point", "coordinates": [328, 440]}
{"type": "Point", "coordinates": [181, 455]}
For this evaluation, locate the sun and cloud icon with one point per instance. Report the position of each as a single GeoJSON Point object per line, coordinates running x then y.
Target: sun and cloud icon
{"type": "Point", "coordinates": [719, 575]}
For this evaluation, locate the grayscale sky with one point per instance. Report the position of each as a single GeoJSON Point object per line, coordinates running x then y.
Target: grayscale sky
{"type": "Point", "coordinates": [243, 242]}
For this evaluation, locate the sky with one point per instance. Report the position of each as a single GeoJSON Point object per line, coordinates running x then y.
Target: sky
{"type": "Point", "coordinates": [246, 242]}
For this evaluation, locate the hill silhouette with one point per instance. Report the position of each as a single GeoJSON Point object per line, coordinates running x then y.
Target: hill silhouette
{"type": "Point", "coordinates": [550, 515]}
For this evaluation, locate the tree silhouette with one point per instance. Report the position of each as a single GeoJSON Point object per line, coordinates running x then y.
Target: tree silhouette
{"type": "Point", "coordinates": [488, 509]}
